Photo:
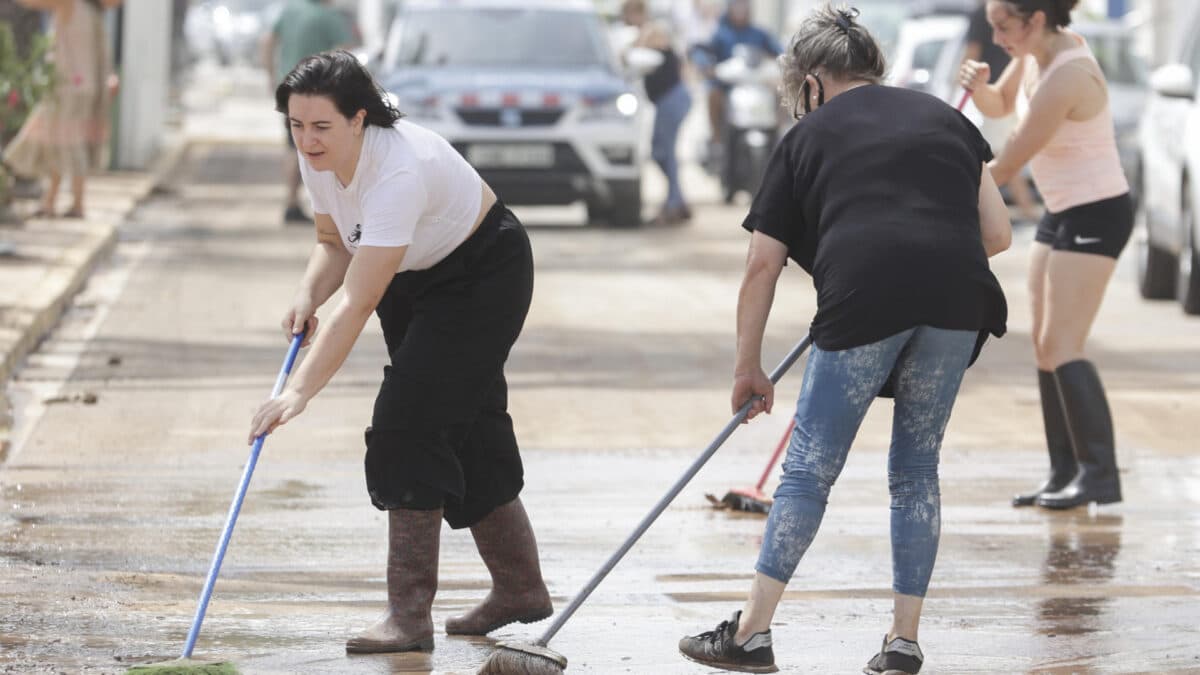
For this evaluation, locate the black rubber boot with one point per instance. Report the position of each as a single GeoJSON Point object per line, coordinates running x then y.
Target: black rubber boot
{"type": "Point", "coordinates": [1090, 424]}
{"type": "Point", "coordinates": [1058, 443]}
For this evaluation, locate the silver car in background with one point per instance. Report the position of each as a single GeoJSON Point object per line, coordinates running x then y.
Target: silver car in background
{"type": "Point", "coordinates": [1169, 232]}
{"type": "Point", "coordinates": [530, 93]}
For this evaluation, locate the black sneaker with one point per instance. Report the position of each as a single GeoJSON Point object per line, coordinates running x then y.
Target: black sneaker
{"type": "Point", "coordinates": [898, 657]}
{"type": "Point", "coordinates": [717, 648]}
{"type": "Point", "coordinates": [294, 216]}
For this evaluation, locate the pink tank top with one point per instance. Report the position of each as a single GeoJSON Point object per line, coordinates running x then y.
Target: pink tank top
{"type": "Point", "coordinates": [1080, 163]}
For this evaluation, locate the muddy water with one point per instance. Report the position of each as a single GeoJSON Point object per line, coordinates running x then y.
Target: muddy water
{"type": "Point", "coordinates": [97, 577]}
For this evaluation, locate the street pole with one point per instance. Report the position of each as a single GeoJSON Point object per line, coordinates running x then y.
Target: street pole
{"type": "Point", "coordinates": [145, 74]}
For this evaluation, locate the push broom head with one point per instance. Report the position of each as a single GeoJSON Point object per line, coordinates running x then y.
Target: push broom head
{"type": "Point", "coordinates": [748, 500]}
{"type": "Point", "coordinates": [184, 667]}
{"type": "Point", "coordinates": [522, 658]}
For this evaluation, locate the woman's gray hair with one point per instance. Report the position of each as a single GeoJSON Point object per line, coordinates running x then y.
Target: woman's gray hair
{"type": "Point", "coordinates": [832, 41]}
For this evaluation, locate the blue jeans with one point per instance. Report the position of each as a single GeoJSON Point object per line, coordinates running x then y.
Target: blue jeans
{"type": "Point", "coordinates": [837, 390]}
{"type": "Point", "coordinates": [669, 112]}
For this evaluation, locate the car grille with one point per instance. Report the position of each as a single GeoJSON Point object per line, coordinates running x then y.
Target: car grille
{"type": "Point", "coordinates": [566, 161]}
{"type": "Point", "coordinates": [495, 117]}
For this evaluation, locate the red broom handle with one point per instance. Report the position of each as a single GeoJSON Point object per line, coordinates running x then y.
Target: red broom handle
{"type": "Point", "coordinates": [783, 443]}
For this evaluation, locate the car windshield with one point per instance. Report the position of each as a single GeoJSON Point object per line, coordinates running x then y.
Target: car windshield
{"type": "Point", "coordinates": [1115, 55]}
{"type": "Point", "coordinates": [488, 37]}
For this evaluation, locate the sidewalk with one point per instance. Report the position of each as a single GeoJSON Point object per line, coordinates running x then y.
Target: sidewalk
{"type": "Point", "coordinates": [50, 261]}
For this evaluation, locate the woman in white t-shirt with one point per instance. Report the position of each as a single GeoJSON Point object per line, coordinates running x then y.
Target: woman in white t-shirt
{"type": "Point", "coordinates": [411, 232]}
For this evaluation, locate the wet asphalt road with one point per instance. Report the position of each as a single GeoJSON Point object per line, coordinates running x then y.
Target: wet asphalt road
{"type": "Point", "coordinates": [111, 510]}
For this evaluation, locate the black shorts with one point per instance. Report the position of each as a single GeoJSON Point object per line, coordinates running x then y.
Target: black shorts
{"type": "Point", "coordinates": [440, 436]}
{"type": "Point", "coordinates": [1101, 228]}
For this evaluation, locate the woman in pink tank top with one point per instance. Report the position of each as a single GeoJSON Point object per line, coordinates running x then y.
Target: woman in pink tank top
{"type": "Point", "coordinates": [1066, 135]}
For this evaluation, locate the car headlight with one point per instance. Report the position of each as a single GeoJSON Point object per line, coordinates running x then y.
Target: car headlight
{"type": "Point", "coordinates": [609, 108]}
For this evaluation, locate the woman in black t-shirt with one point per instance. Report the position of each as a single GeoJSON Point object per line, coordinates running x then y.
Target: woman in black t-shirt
{"type": "Point", "coordinates": [883, 196]}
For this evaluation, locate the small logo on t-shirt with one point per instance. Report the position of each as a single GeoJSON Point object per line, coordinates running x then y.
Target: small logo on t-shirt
{"type": "Point", "coordinates": [356, 234]}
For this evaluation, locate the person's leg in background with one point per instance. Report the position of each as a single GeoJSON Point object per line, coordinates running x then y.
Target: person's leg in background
{"type": "Point", "coordinates": [46, 210]}
{"type": "Point", "coordinates": [928, 374]}
{"type": "Point", "coordinates": [1022, 194]}
{"type": "Point", "coordinates": [77, 185]}
{"type": "Point", "coordinates": [670, 111]}
{"type": "Point", "coordinates": [997, 131]}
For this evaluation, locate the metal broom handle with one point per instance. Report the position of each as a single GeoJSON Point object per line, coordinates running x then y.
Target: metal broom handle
{"type": "Point", "coordinates": [669, 497]}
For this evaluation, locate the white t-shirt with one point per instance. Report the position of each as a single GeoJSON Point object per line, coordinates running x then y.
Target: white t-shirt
{"type": "Point", "coordinates": [410, 188]}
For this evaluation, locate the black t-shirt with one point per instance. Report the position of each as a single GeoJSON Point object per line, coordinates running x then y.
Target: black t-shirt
{"type": "Point", "coordinates": [876, 195]}
{"type": "Point", "coordinates": [660, 81]}
{"type": "Point", "coordinates": [992, 54]}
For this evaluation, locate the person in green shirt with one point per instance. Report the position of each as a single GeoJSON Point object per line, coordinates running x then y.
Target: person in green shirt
{"type": "Point", "coordinates": [304, 28]}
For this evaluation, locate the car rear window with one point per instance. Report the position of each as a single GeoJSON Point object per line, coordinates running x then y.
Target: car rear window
{"type": "Point", "coordinates": [535, 38]}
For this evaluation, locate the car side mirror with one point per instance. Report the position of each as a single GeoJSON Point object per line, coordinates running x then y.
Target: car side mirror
{"type": "Point", "coordinates": [1174, 80]}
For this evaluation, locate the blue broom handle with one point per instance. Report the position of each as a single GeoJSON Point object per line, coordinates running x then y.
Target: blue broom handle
{"type": "Point", "coordinates": [236, 506]}
{"type": "Point", "coordinates": [662, 504]}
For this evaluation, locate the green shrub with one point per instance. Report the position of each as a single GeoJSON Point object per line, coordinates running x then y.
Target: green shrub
{"type": "Point", "coordinates": [23, 81]}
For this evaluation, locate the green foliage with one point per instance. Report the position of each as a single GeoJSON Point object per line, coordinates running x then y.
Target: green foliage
{"type": "Point", "coordinates": [23, 80]}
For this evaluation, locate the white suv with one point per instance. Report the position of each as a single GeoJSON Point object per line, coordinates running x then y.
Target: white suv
{"type": "Point", "coordinates": [1169, 231]}
{"type": "Point", "coordinates": [530, 92]}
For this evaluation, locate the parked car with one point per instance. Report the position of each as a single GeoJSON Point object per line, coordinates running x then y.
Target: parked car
{"type": "Point", "coordinates": [530, 92]}
{"type": "Point", "coordinates": [929, 49]}
{"type": "Point", "coordinates": [1169, 231]}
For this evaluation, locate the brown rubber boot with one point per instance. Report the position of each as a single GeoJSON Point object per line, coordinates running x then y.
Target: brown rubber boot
{"type": "Point", "coordinates": [506, 544]}
{"type": "Point", "coordinates": [412, 567]}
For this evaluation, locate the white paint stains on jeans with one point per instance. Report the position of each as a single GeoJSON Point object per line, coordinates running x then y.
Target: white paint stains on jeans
{"type": "Point", "coordinates": [837, 390]}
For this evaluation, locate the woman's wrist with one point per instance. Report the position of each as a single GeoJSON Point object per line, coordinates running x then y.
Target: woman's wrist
{"type": "Point", "coordinates": [747, 366]}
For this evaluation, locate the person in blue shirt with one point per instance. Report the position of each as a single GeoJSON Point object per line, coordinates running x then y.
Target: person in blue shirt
{"type": "Point", "coordinates": [735, 28]}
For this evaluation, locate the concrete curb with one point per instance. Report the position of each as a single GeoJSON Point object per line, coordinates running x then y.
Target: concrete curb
{"type": "Point", "coordinates": [25, 323]}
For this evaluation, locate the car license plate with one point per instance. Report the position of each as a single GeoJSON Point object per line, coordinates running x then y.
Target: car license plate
{"type": "Point", "coordinates": [522, 156]}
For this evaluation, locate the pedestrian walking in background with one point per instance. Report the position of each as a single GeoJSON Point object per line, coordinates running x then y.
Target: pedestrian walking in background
{"type": "Point", "coordinates": [408, 230]}
{"type": "Point", "coordinates": [667, 91]}
{"type": "Point", "coordinates": [1066, 135]}
{"type": "Point", "coordinates": [304, 28]}
{"type": "Point", "coordinates": [67, 132]}
{"type": "Point", "coordinates": [997, 130]}
{"type": "Point", "coordinates": [882, 194]}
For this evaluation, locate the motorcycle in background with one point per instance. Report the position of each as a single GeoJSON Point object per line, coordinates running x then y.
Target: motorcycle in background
{"type": "Point", "coordinates": [752, 119]}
